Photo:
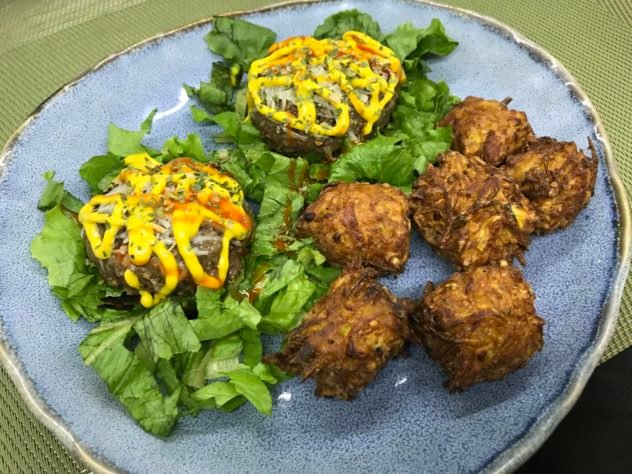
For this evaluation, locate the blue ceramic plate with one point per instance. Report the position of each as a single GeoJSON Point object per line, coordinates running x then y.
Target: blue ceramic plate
{"type": "Point", "coordinates": [405, 420]}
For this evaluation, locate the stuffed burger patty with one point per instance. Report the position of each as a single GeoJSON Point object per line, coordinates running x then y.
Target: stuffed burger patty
{"type": "Point", "coordinates": [167, 227]}
{"type": "Point", "coordinates": [309, 95]}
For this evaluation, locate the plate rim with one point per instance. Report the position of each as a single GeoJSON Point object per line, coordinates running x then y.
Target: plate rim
{"type": "Point", "coordinates": [530, 440]}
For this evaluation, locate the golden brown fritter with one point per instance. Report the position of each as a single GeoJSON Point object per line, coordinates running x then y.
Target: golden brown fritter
{"type": "Point", "coordinates": [557, 178]}
{"type": "Point", "coordinates": [488, 129]}
{"type": "Point", "coordinates": [480, 325]}
{"type": "Point", "coordinates": [470, 212]}
{"type": "Point", "coordinates": [360, 223]}
{"type": "Point", "coordinates": [347, 337]}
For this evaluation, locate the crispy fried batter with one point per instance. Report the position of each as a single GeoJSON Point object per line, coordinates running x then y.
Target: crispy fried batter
{"type": "Point", "coordinates": [557, 178]}
{"type": "Point", "coordinates": [360, 223]}
{"type": "Point", "coordinates": [470, 212]}
{"type": "Point", "coordinates": [480, 325]}
{"type": "Point", "coordinates": [488, 129]}
{"type": "Point", "coordinates": [347, 337]}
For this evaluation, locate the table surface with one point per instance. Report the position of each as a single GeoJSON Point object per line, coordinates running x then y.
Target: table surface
{"type": "Point", "coordinates": [46, 43]}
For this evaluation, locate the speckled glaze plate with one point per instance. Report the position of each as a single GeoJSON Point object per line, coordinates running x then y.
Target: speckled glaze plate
{"type": "Point", "coordinates": [404, 421]}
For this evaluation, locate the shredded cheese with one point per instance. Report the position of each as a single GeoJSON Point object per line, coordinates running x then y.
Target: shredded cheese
{"type": "Point", "coordinates": [188, 193]}
{"type": "Point", "coordinates": [355, 65]}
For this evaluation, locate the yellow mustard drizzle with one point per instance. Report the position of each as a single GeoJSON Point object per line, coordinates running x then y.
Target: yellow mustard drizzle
{"type": "Point", "coordinates": [188, 193]}
{"type": "Point", "coordinates": [347, 63]}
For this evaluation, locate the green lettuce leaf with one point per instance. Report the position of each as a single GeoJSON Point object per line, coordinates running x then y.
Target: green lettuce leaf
{"type": "Point", "coordinates": [99, 171]}
{"type": "Point", "coordinates": [84, 297]}
{"type": "Point", "coordinates": [413, 44]}
{"type": "Point", "coordinates": [280, 275]}
{"type": "Point", "coordinates": [277, 264]}
{"type": "Point", "coordinates": [167, 376]}
{"type": "Point", "coordinates": [248, 175]}
{"type": "Point", "coordinates": [286, 309]}
{"type": "Point", "coordinates": [282, 180]}
{"type": "Point", "coordinates": [189, 372]}
{"type": "Point", "coordinates": [248, 384]}
{"type": "Point", "coordinates": [422, 103]}
{"type": "Point", "coordinates": [217, 94]}
{"type": "Point", "coordinates": [238, 41]}
{"type": "Point", "coordinates": [60, 248]}
{"type": "Point", "coordinates": [265, 373]}
{"type": "Point", "coordinates": [228, 347]}
{"type": "Point", "coordinates": [336, 25]}
{"type": "Point", "coordinates": [381, 159]}
{"type": "Point", "coordinates": [279, 210]}
{"type": "Point", "coordinates": [200, 115]}
{"type": "Point", "coordinates": [236, 130]}
{"type": "Point", "coordinates": [220, 355]}
{"type": "Point", "coordinates": [410, 42]}
{"type": "Point", "coordinates": [54, 193]}
{"type": "Point", "coordinates": [314, 265]}
{"type": "Point", "coordinates": [223, 92]}
{"type": "Point", "coordinates": [285, 292]}
{"type": "Point", "coordinates": [145, 355]}
{"type": "Point", "coordinates": [252, 166]}
{"type": "Point", "coordinates": [127, 378]}
{"type": "Point", "coordinates": [146, 124]}
{"type": "Point", "coordinates": [176, 147]}
{"type": "Point", "coordinates": [166, 331]}
{"type": "Point", "coordinates": [123, 142]}
{"type": "Point", "coordinates": [218, 392]}
{"type": "Point", "coordinates": [232, 405]}
{"type": "Point", "coordinates": [218, 318]}
{"type": "Point", "coordinates": [222, 359]}
{"type": "Point", "coordinates": [252, 346]}
{"type": "Point", "coordinates": [271, 374]}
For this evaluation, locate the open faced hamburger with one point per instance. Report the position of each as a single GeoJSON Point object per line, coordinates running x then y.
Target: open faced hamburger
{"type": "Point", "coordinates": [162, 228]}
{"type": "Point", "coordinates": [308, 95]}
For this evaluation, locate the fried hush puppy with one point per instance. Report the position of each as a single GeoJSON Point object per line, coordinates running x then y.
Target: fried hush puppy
{"type": "Point", "coordinates": [480, 325]}
{"type": "Point", "coordinates": [557, 178]}
{"type": "Point", "coordinates": [360, 224]}
{"type": "Point", "coordinates": [470, 212]}
{"type": "Point", "coordinates": [488, 129]}
{"type": "Point", "coordinates": [347, 337]}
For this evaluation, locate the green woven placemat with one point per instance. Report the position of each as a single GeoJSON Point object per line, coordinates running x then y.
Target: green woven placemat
{"type": "Point", "coordinates": [46, 43]}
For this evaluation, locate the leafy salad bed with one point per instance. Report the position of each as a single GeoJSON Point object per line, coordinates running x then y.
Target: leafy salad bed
{"type": "Point", "coordinates": [204, 351]}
